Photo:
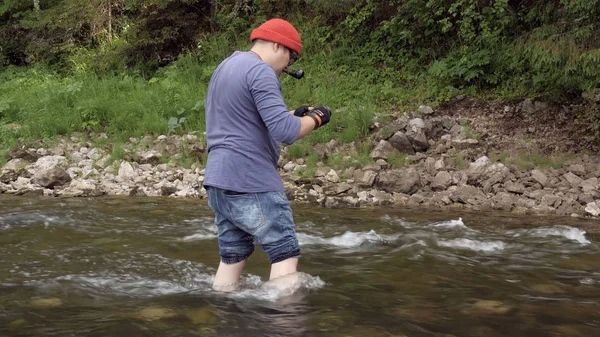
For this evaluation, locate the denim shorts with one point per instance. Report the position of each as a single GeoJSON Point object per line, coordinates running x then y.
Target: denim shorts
{"type": "Point", "coordinates": [246, 219]}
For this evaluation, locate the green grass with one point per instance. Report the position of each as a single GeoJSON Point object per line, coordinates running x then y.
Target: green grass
{"type": "Point", "coordinates": [46, 104]}
{"type": "Point", "coordinates": [469, 133]}
{"type": "Point", "coordinates": [461, 163]}
{"type": "Point", "coordinates": [397, 160]}
{"type": "Point", "coordinates": [118, 153]}
{"type": "Point", "coordinates": [531, 161]}
{"type": "Point", "coordinates": [355, 158]}
{"type": "Point", "coordinates": [3, 157]}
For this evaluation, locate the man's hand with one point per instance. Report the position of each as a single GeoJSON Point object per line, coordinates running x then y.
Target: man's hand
{"type": "Point", "coordinates": [301, 111]}
{"type": "Point", "coordinates": [321, 115]}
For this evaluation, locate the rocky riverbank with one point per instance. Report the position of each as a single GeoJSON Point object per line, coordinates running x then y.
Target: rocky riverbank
{"type": "Point", "coordinates": [446, 161]}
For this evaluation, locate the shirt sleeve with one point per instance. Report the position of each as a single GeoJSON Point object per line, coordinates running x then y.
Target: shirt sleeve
{"type": "Point", "coordinates": [266, 92]}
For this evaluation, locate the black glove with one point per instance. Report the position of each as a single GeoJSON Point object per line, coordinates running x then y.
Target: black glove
{"type": "Point", "coordinates": [321, 115]}
{"type": "Point", "coordinates": [301, 111]}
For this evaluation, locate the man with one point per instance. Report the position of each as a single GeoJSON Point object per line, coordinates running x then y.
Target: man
{"type": "Point", "coordinates": [246, 120]}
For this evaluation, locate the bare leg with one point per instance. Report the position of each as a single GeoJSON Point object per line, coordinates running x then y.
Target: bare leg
{"type": "Point", "coordinates": [228, 276]}
{"type": "Point", "coordinates": [285, 267]}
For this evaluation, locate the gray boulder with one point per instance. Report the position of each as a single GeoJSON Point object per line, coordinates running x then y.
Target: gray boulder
{"type": "Point", "coordinates": [51, 177]}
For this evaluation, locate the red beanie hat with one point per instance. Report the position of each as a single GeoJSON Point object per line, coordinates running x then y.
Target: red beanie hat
{"type": "Point", "coordinates": [278, 31]}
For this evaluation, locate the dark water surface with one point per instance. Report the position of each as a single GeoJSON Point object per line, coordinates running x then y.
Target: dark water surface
{"type": "Point", "coordinates": [144, 267]}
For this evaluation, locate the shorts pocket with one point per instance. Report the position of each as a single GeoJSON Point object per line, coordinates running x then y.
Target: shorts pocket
{"type": "Point", "coordinates": [245, 211]}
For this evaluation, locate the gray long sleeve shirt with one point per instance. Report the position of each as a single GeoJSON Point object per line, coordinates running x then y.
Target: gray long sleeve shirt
{"type": "Point", "coordinates": [246, 120]}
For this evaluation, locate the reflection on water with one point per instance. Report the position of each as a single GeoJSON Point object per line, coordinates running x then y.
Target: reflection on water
{"type": "Point", "coordinates": [144, 267]}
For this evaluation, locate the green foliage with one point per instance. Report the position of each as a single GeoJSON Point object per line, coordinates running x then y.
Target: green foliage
{"type": "Point", "coordinates": [397, 160]}
{"type": "Point", "coordinates": [461, 162]}
{"type": "Point", "coordinates": [469, 133]}
{"type": "Point", "coordinates": [357, 157]}
{"type": "Point", "coordinates": [117, 153]}
{"type": "Point", "coordinates": [127, 67]}
{"type": "Point", "coordinates": [298, 150]}
{"type": "Point", "coordinates": [530, 161]}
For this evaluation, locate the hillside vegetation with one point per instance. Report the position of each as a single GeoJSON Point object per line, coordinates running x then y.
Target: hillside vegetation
{"type": "Point", "coordinates": [132, 67]}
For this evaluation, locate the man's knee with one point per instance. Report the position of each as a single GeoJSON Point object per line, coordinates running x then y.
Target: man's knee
{"type": "Point", "coordinates": [235, 253]}
{"type": "Point", "coordinates": [282, 250]}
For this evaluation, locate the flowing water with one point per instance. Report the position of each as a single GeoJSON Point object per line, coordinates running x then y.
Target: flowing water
{"type": "Point", "coordinates": [143, 267]}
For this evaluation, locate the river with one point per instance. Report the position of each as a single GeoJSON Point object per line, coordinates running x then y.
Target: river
{"type": "Point", "coordinates": [144, 267]}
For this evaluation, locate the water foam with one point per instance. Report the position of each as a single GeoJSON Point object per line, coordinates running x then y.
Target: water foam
{"type": "Point", "coordinates": [346, 240]}
{"type": "Point", "coordinates": [130, 285]}
{"type": "Point", "coordinates": [567, 232]}
{"type": "Point", "coordinates": [11, 220]}
{"type": "Point", "coordinates": [474, 245]}
{"type": "Point", "coordinates": [271, 291]}
{"type": "Point", "coordinates": [199, 236]}
{"type": "Point", "coordinates": [450, 224]}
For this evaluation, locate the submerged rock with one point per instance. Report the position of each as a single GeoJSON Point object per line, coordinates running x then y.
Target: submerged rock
{"type": "Point", "coordinates": [46, 303]}
{"type": "Point", "coordinates": [154, 314]}
{"type": "Point", "coordinates": [202, 316]}
{"type": "Point", "coordinates": [488, 308]}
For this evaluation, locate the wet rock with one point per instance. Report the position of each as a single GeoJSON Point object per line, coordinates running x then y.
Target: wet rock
{"type": "Point", "coordinates": [45, 303]}
{"type": "Point", "coordinates": [547, 289]}
{"type": "Point", "coordinates": [16, 324]}
{"type": "Point", "coordinates": [202, 316]}
{"type": "Point", "coordinates": [51, 177]}
{"type": "Point", "coordinates": [154, 314]}
{"type": "Point", "coordinates": [573, 330]}
{"type": "Point", "coordinates": [488, 308]}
